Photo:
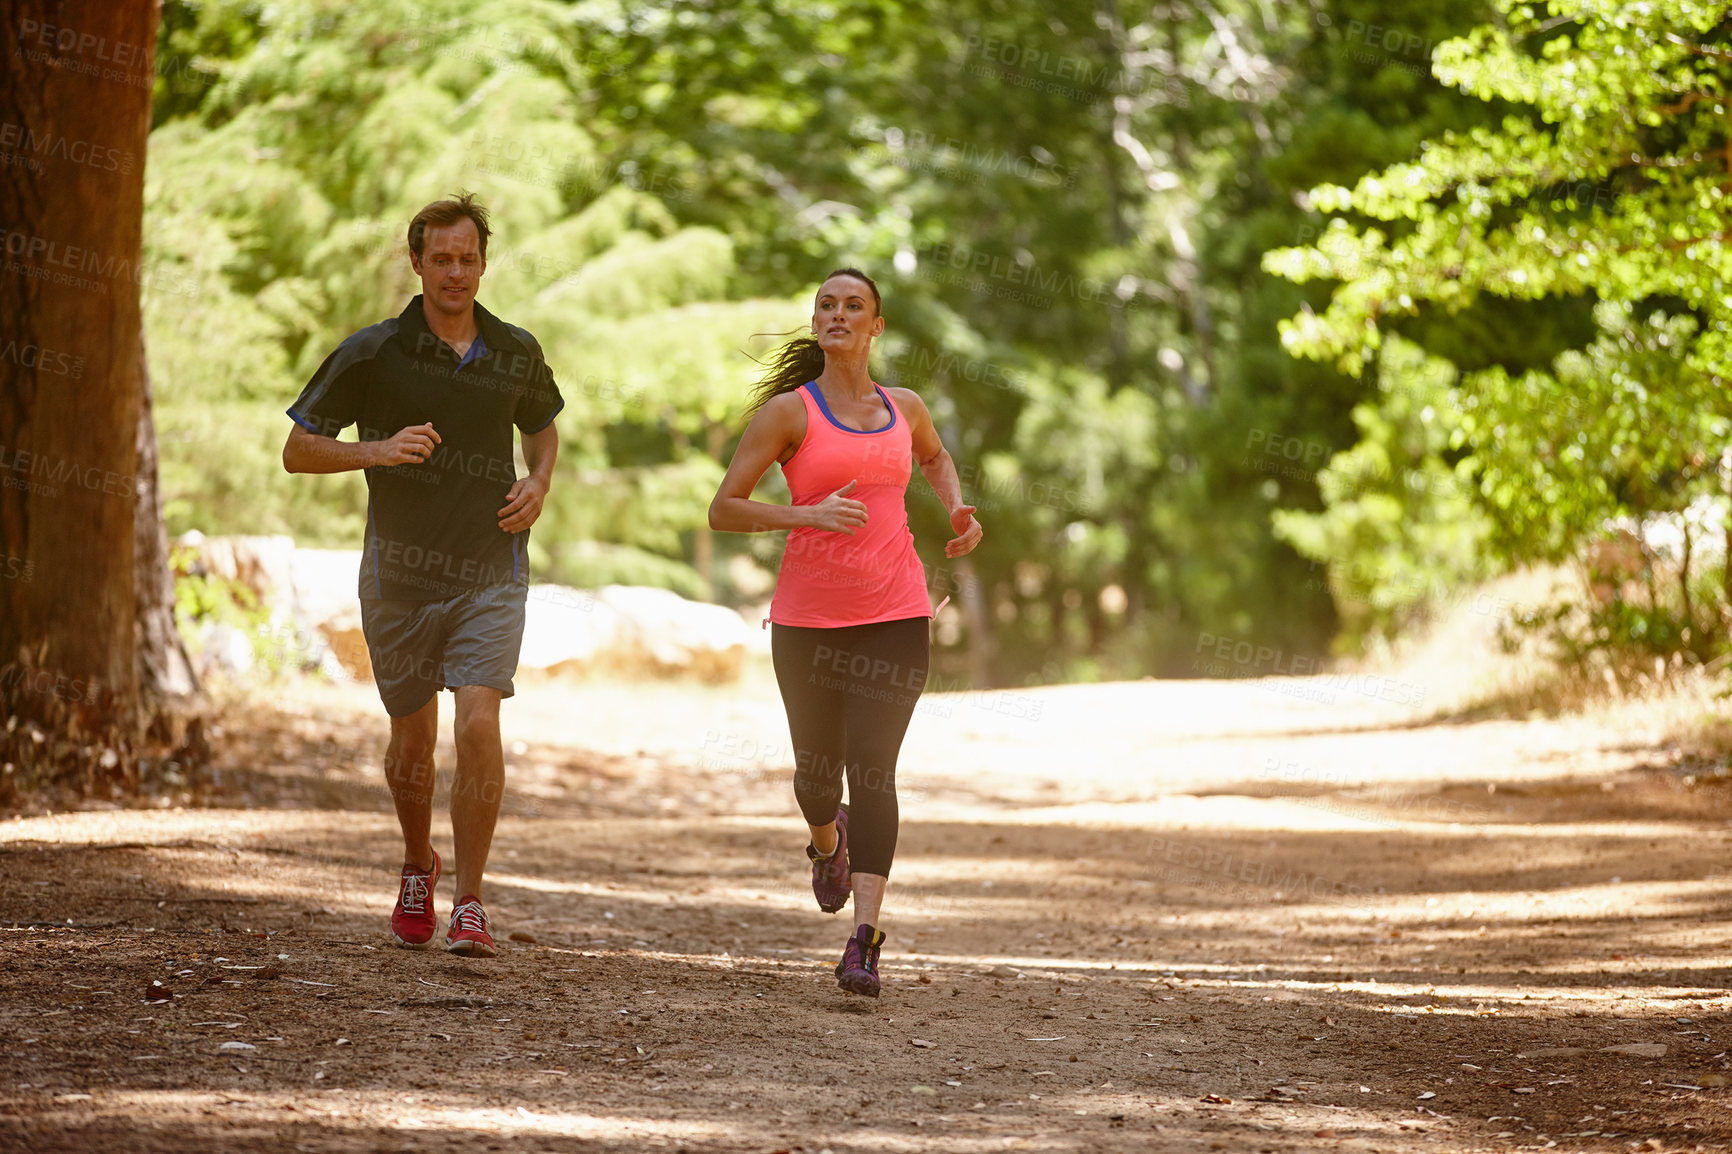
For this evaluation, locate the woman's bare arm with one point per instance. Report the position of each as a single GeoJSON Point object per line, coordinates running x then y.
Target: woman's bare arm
{"type": "Point", "coordinates": [776, 430]}
{"type": "Point", "coordinates": [940, 472]}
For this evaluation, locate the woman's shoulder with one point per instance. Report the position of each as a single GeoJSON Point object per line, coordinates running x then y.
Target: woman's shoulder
{"type": "Point", "coordinates": [906, 399]}
{"type": "Point", "coordinates": [785, 414]}
{"type": "Point", "coordinates": [787, 405]}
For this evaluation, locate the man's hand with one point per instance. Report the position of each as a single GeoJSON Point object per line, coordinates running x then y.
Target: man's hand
{"type": "Point", "coordinates": [411, 446]}
{"type": "Point", "coordinates": [968, 532]}
{"type": "Point", "coordinates": [523, 504]}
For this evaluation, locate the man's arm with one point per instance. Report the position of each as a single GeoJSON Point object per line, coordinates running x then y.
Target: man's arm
{"type": "Point", "coordinates": [308, 452]}
{"type": "Point", "coordinates": [523, 502]}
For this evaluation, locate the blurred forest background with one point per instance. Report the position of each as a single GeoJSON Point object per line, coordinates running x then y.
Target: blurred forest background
{"type": "Point", "coordinates": [1276, 322]}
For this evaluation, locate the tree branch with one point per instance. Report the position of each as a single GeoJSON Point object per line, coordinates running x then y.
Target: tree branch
{"type": "Point", "coordinates": [1699, 49]}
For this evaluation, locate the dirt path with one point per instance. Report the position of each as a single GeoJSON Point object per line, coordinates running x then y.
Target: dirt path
{"type": "Point", "coordinates": [1157, 916]}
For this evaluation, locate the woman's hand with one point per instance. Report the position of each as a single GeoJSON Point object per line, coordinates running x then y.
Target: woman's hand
{"type": "Point", "coordinates": [838, 512]}
{"type": "Point", "coordinates": [968, 532]}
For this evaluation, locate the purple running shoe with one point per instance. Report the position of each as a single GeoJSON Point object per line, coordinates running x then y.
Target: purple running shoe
{"type": "Point", "coordinates": [857, 972]}
{"type": "Point", "coordinates": [832, 880]}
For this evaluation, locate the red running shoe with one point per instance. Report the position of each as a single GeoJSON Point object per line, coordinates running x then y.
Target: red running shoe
{"type": "Point", "coordinates": [832, 879]}
{"type": "Point", "coordinates": [413, 922]}
{"type": "Point", "coordinates": [468, 934]}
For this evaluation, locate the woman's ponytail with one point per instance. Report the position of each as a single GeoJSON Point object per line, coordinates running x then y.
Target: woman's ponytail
{"type": "Point", "coordinates": [795, 363]}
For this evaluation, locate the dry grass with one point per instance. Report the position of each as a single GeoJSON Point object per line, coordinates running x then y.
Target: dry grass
{"type": "Point", "coordinates": [1471, 673]}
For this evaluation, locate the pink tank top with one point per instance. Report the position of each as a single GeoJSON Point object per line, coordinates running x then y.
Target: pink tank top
{"type": "Point", "coordinates": [831, 579]}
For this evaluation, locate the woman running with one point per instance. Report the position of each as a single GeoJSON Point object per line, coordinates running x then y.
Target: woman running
{"type": "Point", "coordinates": [850, 634]}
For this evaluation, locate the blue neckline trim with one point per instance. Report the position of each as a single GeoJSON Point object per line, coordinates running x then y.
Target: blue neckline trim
{"type": "Point", "coordinates": [477, 349]}
{"type": "Point", "coordinates": [818, 395]}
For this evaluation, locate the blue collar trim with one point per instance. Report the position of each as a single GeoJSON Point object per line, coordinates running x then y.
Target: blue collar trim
{"type": "Point", "coordinates": [818, 395]}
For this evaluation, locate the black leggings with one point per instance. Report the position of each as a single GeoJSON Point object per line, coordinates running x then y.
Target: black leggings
{"type": "Point", "coordinates": [850, 693]}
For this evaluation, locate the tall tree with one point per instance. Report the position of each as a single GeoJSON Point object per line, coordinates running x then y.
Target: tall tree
{"type": "Point", "coordinates": [78, 504]}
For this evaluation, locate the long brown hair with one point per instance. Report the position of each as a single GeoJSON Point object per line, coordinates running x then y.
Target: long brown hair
{"type": "Point", "coordinates": [801, 359]}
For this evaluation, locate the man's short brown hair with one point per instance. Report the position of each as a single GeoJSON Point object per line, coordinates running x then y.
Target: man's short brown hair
{"type": "Point", "coordinates": [445, 212]}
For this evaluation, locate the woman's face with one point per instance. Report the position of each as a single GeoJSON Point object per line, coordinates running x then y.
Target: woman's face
{"type": "Point", "coordinates": [845, 318]}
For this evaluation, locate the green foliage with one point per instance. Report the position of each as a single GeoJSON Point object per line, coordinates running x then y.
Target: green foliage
{"type": "Point", "coordinates": [1066, 206]}
{"type": "Point", "coordinates": [206, 604]}
{"type": "Point", "coordinates": [1399, 526]}
{"type": "Point", "coordinates": [1607, 184]}
{"type": "Point", "coordinates": [1627, 427]}
{"type": "Point", "coordinates": [201, 598]}
{"type": "Point", "coordinates": [282, 198]}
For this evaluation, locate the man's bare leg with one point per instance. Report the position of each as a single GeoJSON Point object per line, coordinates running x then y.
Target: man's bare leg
{"type": "Point", "coordinates": [479, 786]}
{"type": "Point", "coordinates": [409, 772]}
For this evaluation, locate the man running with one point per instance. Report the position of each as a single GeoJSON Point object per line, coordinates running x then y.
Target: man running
{"type": "Point", "coordinates": [435, 392]}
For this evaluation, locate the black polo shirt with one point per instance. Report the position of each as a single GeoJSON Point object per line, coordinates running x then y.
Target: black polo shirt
{"type": "Point", "coordinates": [433, 527]}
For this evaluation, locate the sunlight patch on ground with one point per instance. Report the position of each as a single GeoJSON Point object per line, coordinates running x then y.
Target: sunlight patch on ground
{"type": "Point", "coordinates": [355, 1110]}
{"type": "Point", "coordinates": [164, 827]}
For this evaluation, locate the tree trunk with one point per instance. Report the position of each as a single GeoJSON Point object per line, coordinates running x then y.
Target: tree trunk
{"type": "Point", "coordinates": [703, 539]}
{"type": "Point", "coordinates": [77, 83]}
{"type": "Point", "coordinates": [1690, 639]}
{"type": "Point", "coordinates": [165, 673]}
{"type": "Point", "coordinates": [1647, 555]}
{"type": "Point", "coordinates": [1725, 623]}
{"type": "Point", "coordinates": [977, 613]}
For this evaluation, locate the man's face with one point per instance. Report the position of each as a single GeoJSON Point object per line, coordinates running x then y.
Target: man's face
{"type": "Point", "coordinates": [450, 266]}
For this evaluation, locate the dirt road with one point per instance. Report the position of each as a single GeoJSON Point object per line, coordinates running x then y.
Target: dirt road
{"type": "Point", "coordinates": [1275, 916]}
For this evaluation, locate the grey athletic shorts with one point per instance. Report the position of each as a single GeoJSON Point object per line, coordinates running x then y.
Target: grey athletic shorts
{"type": "Point", "coordinates": [420, 647]}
